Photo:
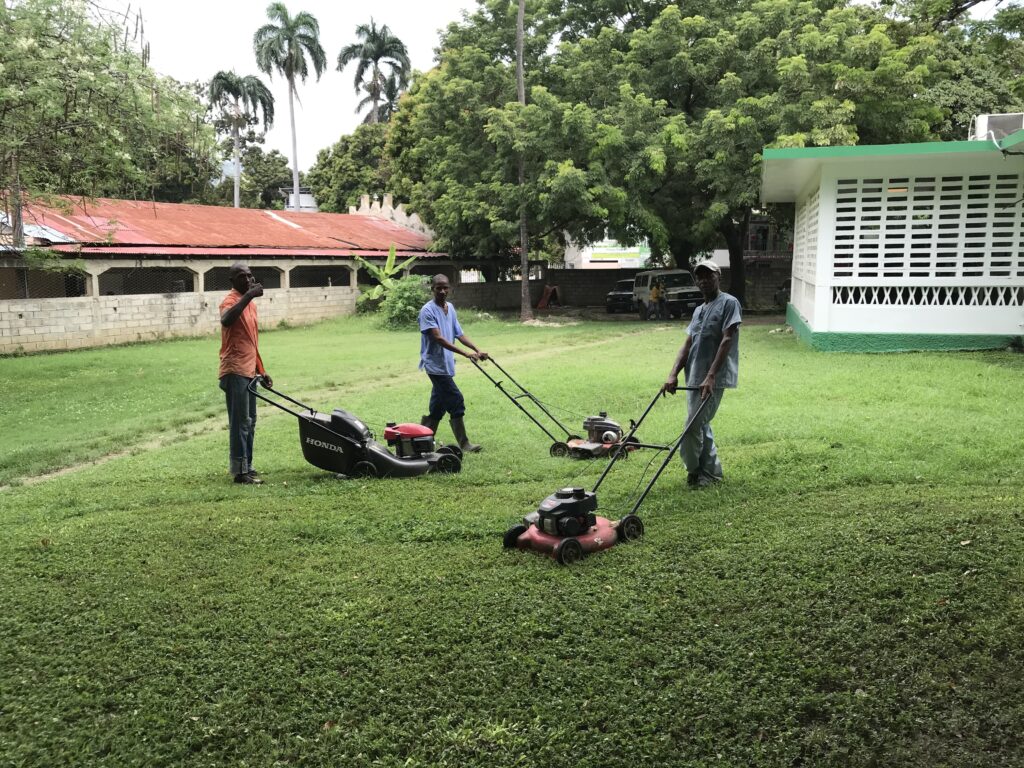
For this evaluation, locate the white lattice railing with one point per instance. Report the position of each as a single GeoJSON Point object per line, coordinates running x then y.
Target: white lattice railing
{"type": "Point", "coordinates": [928, 296]}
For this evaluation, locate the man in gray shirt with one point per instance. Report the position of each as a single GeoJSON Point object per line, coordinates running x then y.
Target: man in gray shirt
{"type": "Point", "coordinates": [710, 358]}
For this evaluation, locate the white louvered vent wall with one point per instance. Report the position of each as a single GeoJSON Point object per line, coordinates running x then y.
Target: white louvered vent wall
{"type": "Point", "coordinates": [805, 238]}
{"type": "Point", "coordinates": [929, 241]}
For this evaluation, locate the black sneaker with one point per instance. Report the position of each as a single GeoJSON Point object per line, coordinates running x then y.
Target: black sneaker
{"type": "Point", "coordinates": [248, 480]}
{"type": "Point", "coordinates": [253, 473]}
{"type": "Point", "coordinates": [692, 479]}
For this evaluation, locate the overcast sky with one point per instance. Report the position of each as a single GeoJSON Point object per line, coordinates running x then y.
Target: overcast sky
{"type": "Point", "coordinates": [194, 39]}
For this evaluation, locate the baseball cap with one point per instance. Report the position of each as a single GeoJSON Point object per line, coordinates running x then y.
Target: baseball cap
{"type": "Point", "coordinates": [708, 264]}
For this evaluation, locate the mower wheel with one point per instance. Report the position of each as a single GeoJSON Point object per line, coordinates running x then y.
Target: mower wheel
{"type": "Point", "coordinates": [558, 450]}
{"type": "Point", "coordinates": [449, 463]}
{"type": "Point", "coordinates": [364, 469]}
{"type": "Point", "coordinates": [453, 450]}
{"type": "Point", "coordinates": [631, 528]}
{"type": "Point", "coordinates": [568, 551]}
{"type": "Point", "coordinates": [512, 536]}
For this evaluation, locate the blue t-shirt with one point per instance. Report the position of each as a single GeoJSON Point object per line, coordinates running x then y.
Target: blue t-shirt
{"type": "Point", "coordinates": [434, 358]}
{"type": "Point", "coordinates": [706, 330]}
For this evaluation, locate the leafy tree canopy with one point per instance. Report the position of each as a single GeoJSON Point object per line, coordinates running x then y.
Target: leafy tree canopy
{"type": "Point", "coordinates": [352, 167]}
{"type": "Point", "coordinates": [82, 113]}
{"type": "Point", "coordinates": [648, 119]}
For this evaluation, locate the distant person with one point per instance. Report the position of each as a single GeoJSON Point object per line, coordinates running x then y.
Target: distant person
{"type": "Point", "coordinates": [662, 301]}
{"type": "Point", "coordinates": [239, 362]}
{"type": "Point", "coordinates": [710, 359]}
{"type": "Point", "coordinates": [439, 328]}
{"type": "Point", "coordinates": [654, 302]}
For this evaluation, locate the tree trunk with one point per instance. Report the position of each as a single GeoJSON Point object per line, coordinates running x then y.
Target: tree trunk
{"type": "Point", "coordinates": [735, 234]}
{"type": "Point", "coordinates": [17, 223]}
{"type": "Point", "coordinates": [295, 146]}
{"type": "Point", "coordinates": [237, 159]}
{"type": "Point", "coordinates": [525, 305]}
{"type": "Point", "coordinates": [375, 93]}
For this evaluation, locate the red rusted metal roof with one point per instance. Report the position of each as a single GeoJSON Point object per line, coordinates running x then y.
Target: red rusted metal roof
{"type": "Point", "coordinates": [124, 226]}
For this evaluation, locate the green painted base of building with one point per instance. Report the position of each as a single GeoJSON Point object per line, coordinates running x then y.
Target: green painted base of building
{"type": "Point", "coordinates": [891, 342]}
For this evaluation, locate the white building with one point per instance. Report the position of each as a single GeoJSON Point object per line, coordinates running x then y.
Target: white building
{"type": "Point", "coordinates": [905, 246]}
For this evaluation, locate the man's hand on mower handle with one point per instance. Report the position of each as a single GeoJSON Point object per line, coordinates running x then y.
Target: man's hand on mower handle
{"type": "Point", "coordinates": [266, 381]}
{"type": "Point", "coordinates": [477, 356]}
{"type": "Point", "coordinates": [707, 386]}
{"type": "Point", "coordinates": [670, 386]}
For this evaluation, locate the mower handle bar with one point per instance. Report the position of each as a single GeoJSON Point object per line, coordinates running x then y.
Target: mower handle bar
{"type": "Point", "coordinates": [253, 388]}
{"type": "Point", "coordinates": [634, 426]}
{"type": "Point", "coordinates": [671, 453]}
{"type": "Point", "coordinates": [515, 399]}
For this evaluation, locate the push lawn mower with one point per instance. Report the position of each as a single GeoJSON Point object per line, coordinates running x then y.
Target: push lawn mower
{"type": "Point", "coordinates": [565, 526]}
{"type": "Point", "coordinates": [603, 434]}
{"type": "Point", "coordinates": [339, 442]}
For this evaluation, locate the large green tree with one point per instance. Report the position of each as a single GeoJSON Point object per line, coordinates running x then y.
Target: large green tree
{"type": "Point", "coordinates": [378, 48]}
{"type": "Point", "coordinates": [648, 120]}
{"type": "Point", "coordinates": [81, 112]}
{"type": "Point", "coordinates": [352, 167]}
{"type": "Point", "coordinates": [240, 100]}
{"type": "Point", "coordinates": [283, 46]}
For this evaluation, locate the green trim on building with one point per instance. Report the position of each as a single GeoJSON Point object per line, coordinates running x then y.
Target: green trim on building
{"type": "Point", "coordinates": [880, 150]}
{"type": "Point", "coordinates": [890, 342]}
{"type": "Point", "coordinates": [1012, 140]}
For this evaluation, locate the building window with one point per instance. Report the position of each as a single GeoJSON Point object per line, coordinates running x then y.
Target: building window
{"type": "Point", "coordinates": [121, 281]}
{"type": "Point", "coordinates": [219, 278]}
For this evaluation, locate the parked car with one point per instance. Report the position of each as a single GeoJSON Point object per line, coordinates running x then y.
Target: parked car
{"type": "Point", "coordinates": [681, 293]}
{"type": "Point", "coordinates": [620, 298]}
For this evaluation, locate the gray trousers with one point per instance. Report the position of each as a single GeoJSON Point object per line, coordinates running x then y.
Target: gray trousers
{"type": "Point", "coordinates": [241, 421]}
{"type": "Point", "coordinates": [698, 448]}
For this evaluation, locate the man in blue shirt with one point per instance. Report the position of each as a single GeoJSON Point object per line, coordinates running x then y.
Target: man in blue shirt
{"type": "Point", "coordinates": [439, 328]}
{"type": "Point", "coordinates": [710, 359]}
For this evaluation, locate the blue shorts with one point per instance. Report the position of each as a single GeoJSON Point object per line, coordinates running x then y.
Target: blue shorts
{"type": "Point", "coordinates": [445, 397]}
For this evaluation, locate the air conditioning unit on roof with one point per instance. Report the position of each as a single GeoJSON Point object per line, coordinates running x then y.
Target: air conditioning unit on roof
{"type": "Point", "coordinates": [995, 127]}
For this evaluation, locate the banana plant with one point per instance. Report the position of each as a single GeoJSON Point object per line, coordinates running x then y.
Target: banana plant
{"type": "Point", "coordinates": [385, 275]}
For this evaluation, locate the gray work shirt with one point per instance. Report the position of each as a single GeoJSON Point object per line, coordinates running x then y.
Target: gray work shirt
{"type": "Point", "coordinates": [706, 330]}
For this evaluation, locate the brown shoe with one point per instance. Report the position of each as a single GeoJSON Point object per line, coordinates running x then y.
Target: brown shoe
{"type": "Point", "coordinates": [248, 480]}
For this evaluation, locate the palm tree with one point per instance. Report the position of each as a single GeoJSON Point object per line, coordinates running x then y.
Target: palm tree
{"type": "Point", "coordinates": [387, 92]}
{"type": "Point", "coordinates": [283, 46]}
{"type": "Point", "coordinates": [239, 99]}
{"type": "Point", "coordinates": [378, 48]}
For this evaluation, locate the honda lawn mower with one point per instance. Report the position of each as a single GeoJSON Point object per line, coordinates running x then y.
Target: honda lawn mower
{"type": "Point", "coordinates": [339, 442]}
{"type": "Point", "coordinates": [565, 527]}
{"type": "Point", "coordinates": [603, 434]}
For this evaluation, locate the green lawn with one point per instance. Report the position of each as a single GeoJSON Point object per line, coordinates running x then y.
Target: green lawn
{"type": "Point", "coordinates": [853, 595]}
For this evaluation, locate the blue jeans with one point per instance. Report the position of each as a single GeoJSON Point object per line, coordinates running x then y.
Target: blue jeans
{"type": "Point", "coordinates": [698, 449]}
{"type": "Point", "coordinates": [445, 397]}
{"type": "Point", "coordinates": [241, 421]}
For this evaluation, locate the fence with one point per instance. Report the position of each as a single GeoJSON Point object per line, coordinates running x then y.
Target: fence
{"type": "Point", "coordinates": [32, 325]}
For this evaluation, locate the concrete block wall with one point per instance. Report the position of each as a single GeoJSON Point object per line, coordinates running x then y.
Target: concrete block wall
{"type": "Point", "coordinates": [588, 287]}
{"type": "Point", "coordinates": [34, 325]}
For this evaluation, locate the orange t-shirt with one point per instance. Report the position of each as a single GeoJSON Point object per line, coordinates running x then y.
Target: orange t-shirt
{"type": "Point", "coordinates": [238, 341]}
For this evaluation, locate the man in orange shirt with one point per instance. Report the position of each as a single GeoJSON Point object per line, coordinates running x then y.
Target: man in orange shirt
{"type": "Point", "coordinates": [239, 363]}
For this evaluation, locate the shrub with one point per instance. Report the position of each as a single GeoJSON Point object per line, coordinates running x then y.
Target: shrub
{"type": "Point", "coordinates": [401, 304]}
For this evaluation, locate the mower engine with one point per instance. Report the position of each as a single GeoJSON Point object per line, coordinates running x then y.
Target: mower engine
{"type": "Point", "coordinates": [409, 440]}
{"type": "Point", "coordinates": [566, 512]}
{"type": "Point", "coordinates": [603, 436]}
{"type": "Point", "coordinates": [601, 429]}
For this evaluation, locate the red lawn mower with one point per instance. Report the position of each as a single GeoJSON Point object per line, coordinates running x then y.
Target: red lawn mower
{"type": "Point", "coordinates": [565, 527]}
{"type": "Point", "coordinates": [339, 442]}
{"type": "Point", "coordinates": [603, 434]}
